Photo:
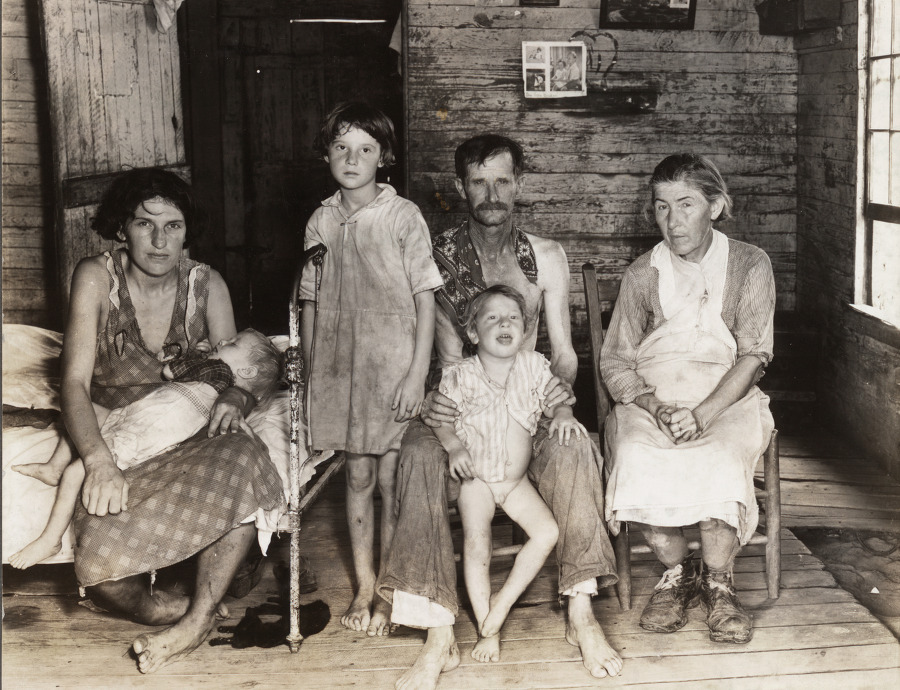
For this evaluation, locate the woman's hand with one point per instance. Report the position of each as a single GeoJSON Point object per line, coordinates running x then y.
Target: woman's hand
{"type": "Point", "coordinates": [557, 392]}
{"type": "Point", "coordinates": [104, 489]}
{"type": "Point", "coordinates": [408, 397]}
{"type": "Point", "coordinates": [565, 424]}
{"type": "Point", "coordinates": [683, 425]}
{"type": "Point", "coordinates": [227, 415]}
{"type": "Point", "coordinates": [663, 415]}
{"type": "Point", "coordinates": [461, 465]}
{"type": "Point", "coordinates": [438, 409]}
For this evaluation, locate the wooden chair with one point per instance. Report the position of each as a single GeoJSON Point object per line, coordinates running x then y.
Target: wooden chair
{"type": "Point", "coordinates": [769, 494]}
{"type": "Point", "coordinates": [300, 496]}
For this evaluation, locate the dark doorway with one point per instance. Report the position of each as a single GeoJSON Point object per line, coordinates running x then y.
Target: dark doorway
{"type": "Point", "coordinates": [257, 86]}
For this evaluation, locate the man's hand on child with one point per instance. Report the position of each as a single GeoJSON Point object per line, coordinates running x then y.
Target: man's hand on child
{"type": "Point", "coordinates": [461, 465]}
{"type": "Point", "coordinates": [565, 424]}
{"type": "Point", "coordinates": [557, 392]}
{"type": "Point", "coordinates": [438, 409]}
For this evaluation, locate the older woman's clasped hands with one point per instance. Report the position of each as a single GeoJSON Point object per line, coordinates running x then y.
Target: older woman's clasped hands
{"type": "Point", "coordinates": [680, 424]}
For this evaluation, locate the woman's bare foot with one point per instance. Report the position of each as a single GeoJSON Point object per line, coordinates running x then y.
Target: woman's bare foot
{"type": "Point", "coordinates": [42, 471]}
{"type": "Point", "coordinates": [583, 631]}
{"type": "Point", "coordinates": [155, 650]}
{"type": "Point", "coordinates": [35, 552]}
{"type": "Point", "coordinates": [380, 625]}
{"type": "Point", "coordinates": [359, 614]}
{"type": "Point", "coordinates": [439, 655]}
{"type": "Point", "coordinates": [487, 649]}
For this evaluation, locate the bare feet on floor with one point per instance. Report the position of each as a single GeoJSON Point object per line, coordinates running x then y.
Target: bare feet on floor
{"type": "Point", "coordinates": [439, 655]}
{"type": "Point", "coordinates": [359, 615]}
{"type": "Point", "coordinates": [583, 631]}
{"type": "Point", "coordinates": [43, 471]}
{"type": "Point", "coordinates": [487, 649]}
{"type": "Point", "coordinates": [155, 650]}
{"type": "Point", "coordinates": [380, 624]}
{"type": "Point", "coordinates": [35, 552]}
{"type": "Point", "coordinates": [496, 616]}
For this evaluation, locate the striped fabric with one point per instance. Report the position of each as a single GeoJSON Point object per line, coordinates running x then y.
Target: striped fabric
{"type": "Point", "coordinates": [485, 407]}
{"type": "Point", "coordinates": [213, 372]}
{"type": "Point", "coordinates": [748, 307]}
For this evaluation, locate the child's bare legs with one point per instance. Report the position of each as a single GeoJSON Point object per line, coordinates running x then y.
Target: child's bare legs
{"type": "Point", "coordinates": [380, 623]}
{"type": "Point", "coordinates": [51, 471]}
{"type": "Point", "coordinates": [527, 509]}
{"type": "Point", "coordinates": [362, 473]}
{"type": "Point", "coordinates": [50, 541]}
{"type": "Point", "coordinates": [476, 508]}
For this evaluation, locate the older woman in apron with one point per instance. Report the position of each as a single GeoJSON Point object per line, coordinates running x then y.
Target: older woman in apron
{"type": "Point", "coordinates": [689, 337]}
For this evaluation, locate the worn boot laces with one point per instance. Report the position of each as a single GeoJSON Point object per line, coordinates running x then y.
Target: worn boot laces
{"type": "Point", "coordinates": [670, 579]}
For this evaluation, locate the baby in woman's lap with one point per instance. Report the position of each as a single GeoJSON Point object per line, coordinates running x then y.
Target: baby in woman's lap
{"type": "Point", "coordinates": [163, 418]}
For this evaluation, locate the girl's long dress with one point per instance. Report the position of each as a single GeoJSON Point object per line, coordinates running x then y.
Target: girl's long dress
{"type": "Point", "coordinates": [365, 329]}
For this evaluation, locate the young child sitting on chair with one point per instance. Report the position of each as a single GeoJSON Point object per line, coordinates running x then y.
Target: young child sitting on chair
{"type": "Point", "coordinates": [499, 396]}
{"type": "Point", "coordinates": [163, 418]}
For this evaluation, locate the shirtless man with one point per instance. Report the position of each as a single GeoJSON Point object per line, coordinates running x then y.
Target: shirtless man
{"type": "Point", "coordinates": [420, 576]}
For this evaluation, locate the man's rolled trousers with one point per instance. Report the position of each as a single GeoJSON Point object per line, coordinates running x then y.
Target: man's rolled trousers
{"type": "Point", "coordinates": [420, 575]}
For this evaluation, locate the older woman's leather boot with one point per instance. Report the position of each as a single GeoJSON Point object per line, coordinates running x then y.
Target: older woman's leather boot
{"type": "Point", "coordinates": [677, 591]}
{"type": "Point", "coordinates": [726, 618]}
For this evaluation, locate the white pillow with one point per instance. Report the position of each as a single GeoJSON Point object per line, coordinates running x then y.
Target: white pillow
{"type": "Point", "coordinates": [31, 367]}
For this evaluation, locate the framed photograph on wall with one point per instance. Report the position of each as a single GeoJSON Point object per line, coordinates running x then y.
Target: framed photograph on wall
{"type": "Point", "coordinates": [554, 69]}
{"type": "Point", "coordinates": [647, 14]}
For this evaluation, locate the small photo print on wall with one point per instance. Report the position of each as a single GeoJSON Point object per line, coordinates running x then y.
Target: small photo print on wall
{"type": "Point", "coordinates": [554, 69]}
{"type": "Point", "coordinates": [647, 14]}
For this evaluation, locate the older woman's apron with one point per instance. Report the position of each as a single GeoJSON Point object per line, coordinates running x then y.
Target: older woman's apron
{"type": "Point", "coordinates": [653, 480]}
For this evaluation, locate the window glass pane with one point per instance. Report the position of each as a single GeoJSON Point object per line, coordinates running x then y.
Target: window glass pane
{"type": "Point", "coordinates": [895, 94]}
{"type": "Point", "coordinates": [896, 48]}
{"type": "Point", "coordinates": [894, 166]}
{"type": "Point", "coordinates": [879, 163]}
{"type": "Point", "coordinates": [881, 27]}
{"type": "Point", "coordinates": [880, 94]}
{"type": "Point", "coordinates": [886, 269]}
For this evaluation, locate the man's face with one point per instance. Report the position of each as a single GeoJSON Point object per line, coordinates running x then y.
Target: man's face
{"type": "Point", "coordinates": [490, 190]}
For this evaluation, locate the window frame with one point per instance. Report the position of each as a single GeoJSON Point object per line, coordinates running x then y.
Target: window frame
{"type": "Point", "coordinates": [871, 212]}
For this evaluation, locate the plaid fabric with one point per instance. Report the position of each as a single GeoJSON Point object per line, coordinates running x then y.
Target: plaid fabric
{"type": "Point", "coordinates": [212, 371]}
{"type": "Point", "coordinates": [124, 369]}
{"type": "Point", "coordinates": [178, 504]}
{"type": "Point", "coordinates": [460, 269]}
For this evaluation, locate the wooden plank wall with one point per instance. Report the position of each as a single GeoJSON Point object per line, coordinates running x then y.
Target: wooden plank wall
{"type": "Point", "coordinates": [860, 367]}
{"type": "Point", "coordinates": [29, 277]}
{"type": "Point", "coordinates": [723, 90]}
{"type": "Point", "coordinates": [115, 104]}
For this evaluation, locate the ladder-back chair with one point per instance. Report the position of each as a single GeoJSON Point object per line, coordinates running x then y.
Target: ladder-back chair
{"type": "Point", "coordinates": [769, 494]}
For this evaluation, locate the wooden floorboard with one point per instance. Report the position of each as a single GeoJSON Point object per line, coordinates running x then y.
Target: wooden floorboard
{"type": "Point", "coordinates": [815, 635]}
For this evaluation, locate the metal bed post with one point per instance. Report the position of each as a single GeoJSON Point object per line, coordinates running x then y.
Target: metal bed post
{"type": "Point", "coordinates": [295, 374]}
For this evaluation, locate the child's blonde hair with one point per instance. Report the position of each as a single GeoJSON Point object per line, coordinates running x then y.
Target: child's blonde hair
{"type": "Point", "coordinates": [268, 362]}
{"type": "Point", "coordinates": [475, 305]}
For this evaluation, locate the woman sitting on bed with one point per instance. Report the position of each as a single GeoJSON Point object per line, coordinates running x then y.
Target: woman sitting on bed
{"type": "Point", "coordinates": [131, 308]}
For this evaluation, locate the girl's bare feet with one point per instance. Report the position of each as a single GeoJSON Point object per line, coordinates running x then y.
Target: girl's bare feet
{"type": "Point", "coordinates": [359, 615]}
{"type": "Point", "coordinates": [496, 616]}
{"type": "Point", "coordinates": [380, 625]}
{"type": "Point", "coordinates": [43, 471]}
{"type": "Point", "coordinates": [155, 650]}
{"type": "Point", "coordinates": [35, 552]}
{"type": "Point", "coordinates": [487, 649]}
